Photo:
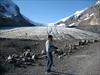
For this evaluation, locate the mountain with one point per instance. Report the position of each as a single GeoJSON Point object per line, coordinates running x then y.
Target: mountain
{"type": "Point", "coordinates": [10, 15]}
{"type": "Point", "coordinates": [87, 16]}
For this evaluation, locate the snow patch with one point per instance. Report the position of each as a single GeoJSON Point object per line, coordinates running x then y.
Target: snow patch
{"type": "Point", "coordinates": [61, 25]}
{"type": "Point", "coordinates": [86, 18]}
{"type": "Point", "coordinates": [51, 24]}
{"type": "Point", "coordinates": [64, 19]}
{"type": "Point", "coordinates": [71, 24]}
{"type": "Point", "coordinates": [77, 13]}
{"type": "Point", "coordinates": [92, 14]}
{"type": "Point", "coordinates": [89, 16]}
{"type": "Point", "coordinates": [98, 2]}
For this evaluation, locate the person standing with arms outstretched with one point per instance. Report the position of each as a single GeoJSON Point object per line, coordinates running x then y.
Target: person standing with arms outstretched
{"type": "Point", "coordinates": [49, 48]}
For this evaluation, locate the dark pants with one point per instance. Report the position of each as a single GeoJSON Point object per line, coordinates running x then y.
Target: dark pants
{"type": "Point", "coordinates": [49, 61]}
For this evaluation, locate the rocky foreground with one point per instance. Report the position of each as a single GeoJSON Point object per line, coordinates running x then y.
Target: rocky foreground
{"type": "Point", "coordinates": [84, 61]}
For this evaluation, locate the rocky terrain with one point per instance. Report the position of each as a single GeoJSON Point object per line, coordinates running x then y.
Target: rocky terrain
{"type": "Point", "coordinates": [84, 61]}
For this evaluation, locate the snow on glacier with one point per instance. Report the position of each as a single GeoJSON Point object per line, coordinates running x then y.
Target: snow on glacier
{"type": "Point", "coordinates": [42, 32]}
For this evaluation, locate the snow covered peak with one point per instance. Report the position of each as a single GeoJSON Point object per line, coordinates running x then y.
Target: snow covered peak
{"type": "Point", "coordinates": [86, 16]}
{"type": "Point", "coordinates": [8, 8]}
{"type": "Point", "coordinates": [98, 2]}
{"type": "Point", "coordinates": [64, 19]}
{"type": "Point", "coordinates": [10, 15]}
{"type": "Point", "coordinates": [77, 13]}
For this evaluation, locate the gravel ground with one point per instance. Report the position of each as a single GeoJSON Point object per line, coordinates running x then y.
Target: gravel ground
{"type": "Point", "coordinates": [84, 62]}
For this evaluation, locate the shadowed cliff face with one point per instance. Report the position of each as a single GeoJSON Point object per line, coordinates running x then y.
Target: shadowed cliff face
{"type": "Point", "coordinates": [10, 15]}
{"type": "Point", "coordinates": [8, 8]}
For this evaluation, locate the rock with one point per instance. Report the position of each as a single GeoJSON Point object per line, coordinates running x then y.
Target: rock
{"type": "Point", "coordinates": [9, 57]}
{"type": "Point", "coordinates": [59, 52]}
{"type": "Point", "coordinates": [83, 42]}
{"type": "Point", "coordinates": [43, 52]}
{"type": "Point", "coordinates": [91, 41]}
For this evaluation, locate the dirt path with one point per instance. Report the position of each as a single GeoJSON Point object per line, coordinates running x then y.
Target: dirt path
{"type": "Point", "coordinates": [85, 62]}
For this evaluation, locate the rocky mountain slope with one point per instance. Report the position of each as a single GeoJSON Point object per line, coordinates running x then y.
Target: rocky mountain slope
{"type": "Point", "coordinates": [87, 16]}
{"type": "Point", "coordinates": [10, 15]}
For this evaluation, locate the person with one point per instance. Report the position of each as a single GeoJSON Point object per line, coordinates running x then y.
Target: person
{"type": "Point", "coordinates": [49, 49]}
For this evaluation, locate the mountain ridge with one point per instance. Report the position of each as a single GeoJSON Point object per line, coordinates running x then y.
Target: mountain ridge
{"type": "Point", "coordinates": [87, 16]}
{"type": "Point", "coordinates": [10, 15]}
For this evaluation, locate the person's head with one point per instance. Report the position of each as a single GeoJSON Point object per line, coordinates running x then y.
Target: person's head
{"type": "Point", "coordinates": [50, 37]}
